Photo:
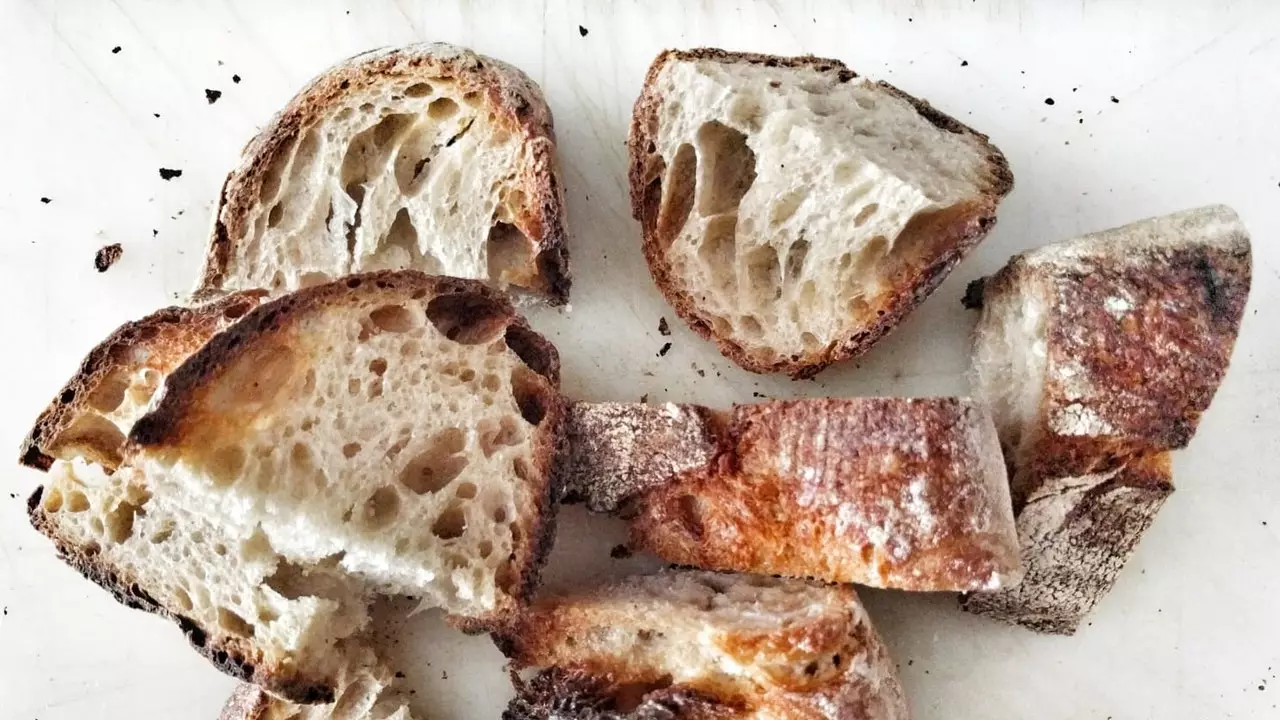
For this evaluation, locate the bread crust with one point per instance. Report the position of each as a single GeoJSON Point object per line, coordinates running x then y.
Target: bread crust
{"type": "Point", "coordinates": [233, 655]}
{"type": "Point", "coordinates": [1076, 534]}
{"type": "Point", "coordinates": [159, 341]}
{"type": "Point", "coordinates": [1142, 321]}
{"type": "Point", "coordinates": [510, 95]}
{"type": "Point", "coordinates": [556, 694]}
{"type": "Point", "coordinates": [247, 702]}
{"type": "Point", "coordinates": [906, 493]}
{"type": "Point", "coordinates": [951, 233]}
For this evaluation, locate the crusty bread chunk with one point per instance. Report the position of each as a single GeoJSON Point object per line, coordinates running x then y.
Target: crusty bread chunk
{"type": "Point", "coordinates": [794, 212]}
{"type": "Point", "coordinates": [390, 433]}
{"type": "Point", "coordinates": [428, 157]}
{"type": "Point", "coordinates": [366, 690]}
{"type": "Point", "coordinates": [93, 413]}
{"type": "Point", "coordinates": [702, 645]}
{"type": "Point", "coordinates": [906, 493]}
{"type": "Point", "coordinates": [1096, 356]}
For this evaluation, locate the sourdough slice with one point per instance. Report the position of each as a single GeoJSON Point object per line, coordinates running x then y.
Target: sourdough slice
{"type": "Point", "coordinates": [90, 417]}
{"type": "Point", "coordinates": [428, 157]}
{"type": "Point", "coordinates": [906, 493]}
{"type": "Point", "coordinates": [793, 212]}
{"type": "Point", "coordinates": [1096, 357]}
{"type": "Point", "coordinates": [1076, 534]}
{"type": "Point", "coordinates": [702, 645]}
{"type": "Point", "coordinates": [391, 433]}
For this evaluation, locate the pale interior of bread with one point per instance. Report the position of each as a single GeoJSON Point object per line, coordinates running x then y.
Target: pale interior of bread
{"type": "Point", "coordinates": [789, 197]}
{"type": "Point", "coordinates": [697, 628]}
{"type": "Point", "coordinates": [402, 173]}
{"type": "Point", "coordinates": [367, 690]}
{"type": "Point", "coordinates": [1010, 362]}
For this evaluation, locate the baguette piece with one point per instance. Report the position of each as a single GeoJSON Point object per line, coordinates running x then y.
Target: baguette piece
{"type": "Point", "coordinates": [1097, 356]}
{"type": "Point", "coordinates": [428, 157]}
{"type": "Point", "coordinates": [390, 433]}
{"type": "Point", "coordinates": [91, 415]}
{"type": "Point", "coordinates": [793, 213]}
{"type": "Point", "coordinates": [702, 645]}
{"type": "Point", "coordinates": [906, 493]}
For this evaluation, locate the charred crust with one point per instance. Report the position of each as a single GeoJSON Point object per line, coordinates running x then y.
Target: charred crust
{"type": "Point", "coordinates": [972, 299]}
{"type": "Point", "coordinates": [646, 169]}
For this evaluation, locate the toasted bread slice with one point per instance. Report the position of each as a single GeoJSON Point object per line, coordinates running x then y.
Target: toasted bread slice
{"type": "Point", "coordinates": [703, 645]}
{"type": "Point", "coordinates": [888, 492]}
{"type": "Point", "coordinates": [1076, 534]}
{"type": "Point", "coordinates": [1096, 357]}
{"type": "Point", "coordinates": [793, 212]}
{"type": "Point", "coordinates": [90, 417]}
{"type": "Point", "coordinates": [428, 157]}
{"type": "Point", "coordinates": [390, 433]}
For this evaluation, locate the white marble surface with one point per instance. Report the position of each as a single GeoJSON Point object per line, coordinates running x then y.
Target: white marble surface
{"type": "Point", "coordinates": [1190, 632]}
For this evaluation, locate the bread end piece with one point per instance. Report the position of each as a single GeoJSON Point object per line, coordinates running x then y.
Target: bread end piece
{"type": "Point", "coordinates": [729, 194]}
{"type": "Point", "coordinates": [1076, 534]}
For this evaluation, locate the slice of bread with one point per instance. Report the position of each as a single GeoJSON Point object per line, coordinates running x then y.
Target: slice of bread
{"type": "Point", "coordinates": [702, 645]}
{"type": "Point", "coordinates": [391, 433]}
{"type": "Point", "coordinates": [90, 417]}
{"type": "Point", "coordinates": [1096, 356]}
{"type": "Point", "coordinates": [428, 157]}
{"type": "Point", "coordinates": [793, 212]}
{"type": "Point", "coordinates": [906, 493]}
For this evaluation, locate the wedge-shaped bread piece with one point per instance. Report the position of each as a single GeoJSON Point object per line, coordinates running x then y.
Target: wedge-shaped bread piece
{"type": "Point", "coordinates": [703, 645]}
{"type": "Point", "coordinates": [1096, 357]}
{"type": "Point", "coordinates": [907, 493]}
{"type": "Point", "coordinates": [90, 417]}
{"type": "Point", "coordinates": [1076, 534]}
{"type": "Point", "coordinates": [793, 212]}
{"type": "Point", "coordinates": [390, 433]}
{"type": "Point", "coordinates": [428, 157]}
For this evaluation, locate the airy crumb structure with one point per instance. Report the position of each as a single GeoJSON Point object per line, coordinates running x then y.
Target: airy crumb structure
{"type": "Point", "coordinates": [428, 157]}
{"type": "Point", "coordinates": [794, 212]}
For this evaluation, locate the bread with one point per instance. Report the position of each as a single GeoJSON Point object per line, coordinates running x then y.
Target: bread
{"type": "Point", "coordinates": [888, 492]}
{"type": "Point", "coordinates": [366, 691]}
{"type": "Point", "coordinates": [90, 417]}
{"type": "Point", "coordinates": [1097, 356]}
{"type": "Point", "coordinates": [428, 157]}
{"type": "Point", "coordinates": [391, 433]}
{"type": "Point", "coordinates": [793, 212]}
{"type": "Point", "coordinates": [702, 645]}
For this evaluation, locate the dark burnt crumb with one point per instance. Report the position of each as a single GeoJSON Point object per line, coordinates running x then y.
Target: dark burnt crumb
{"type": "Point", "coordinates": [972, 299]}
{"type": "Point", "coordinates": [1074, 89]}
{"type": "Point", "coordinates": [1081, 121]}
{"type": "Point", "coordinates": [1048, 101]}
{"type": "Point", "coordinates": [620, 552]}
{"type": "Point", "coordinates": [756, 394]}
{"type": "Point", "coordinates": [964, 63]}
{"type": "Point", "coordinates": [910, 663]}
{"type": "Point", "coordinates": [700, 371]}
{"type": "Point", "coordinates": [46, 200]}
{"type": "Point", "coordinates": [1115, 99]}
{"type": "Point", "coordinates": [107, 256]}
{"type": "Point", "coordinates": [444, 675]}
{"type": "Point", "coordinates": [155, 114]}
{"type": "Point", "coordinates": [399, 675]}
{"type": "Point", "coordinates": [168, 174]}
{"type": "Point", "coordinates": [663, 328]}
{"type": "Point", "coordinates": [665, 349]}
{"type": "Point", "coordinates": [582, 31]}
{"type": "Point", "coordinates": [235, 79]}
{"type": "Point", "coordinates": [154, 232]}
{"type": "Point", "coordinates": [645, 398]}
{"type": "Point", "coordinates": [212, 95]}
{"type": "Point", "coordinates": [115, 50]}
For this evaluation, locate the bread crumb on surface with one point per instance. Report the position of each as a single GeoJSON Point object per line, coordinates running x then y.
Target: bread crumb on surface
{"type": "Point", "coordinates": [107, 256]}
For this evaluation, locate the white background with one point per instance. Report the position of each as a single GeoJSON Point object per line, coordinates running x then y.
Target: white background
{"type": "Point", "coordinates": [1191, 631]}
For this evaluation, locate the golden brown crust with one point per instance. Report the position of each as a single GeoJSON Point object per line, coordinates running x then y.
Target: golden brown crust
{"type": "Point", "coordinates": [231, 654]}
{"type": "Point", "coordinates": [887, 492]}
{"type": "Point", "coordinates": [947, 235]}
{"type": "Point", "coordinates": [511, 96]}
{"type": "Point", "coordinates": [74, 424]}
{"type": "Point", "coordinates": [1076, 535]}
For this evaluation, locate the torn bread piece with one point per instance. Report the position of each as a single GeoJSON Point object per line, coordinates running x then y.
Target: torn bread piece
{"type": "Point", "coordinates": [366, 691]}
{"type": "Point", "coordinates": [90, 417]}
{"type": "Point", "coordinates": [906, 493]}
{"type": "Point", "coordinates": [1096, 356]}
{"type": "Point", "coordinates": [390, 433]}
{"type": "Point", "coordinates": [698, 645]}
{"type": "Point", "coordinates": [793, 212]}
{"type": "Point", "coordinates": [427, 157]}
